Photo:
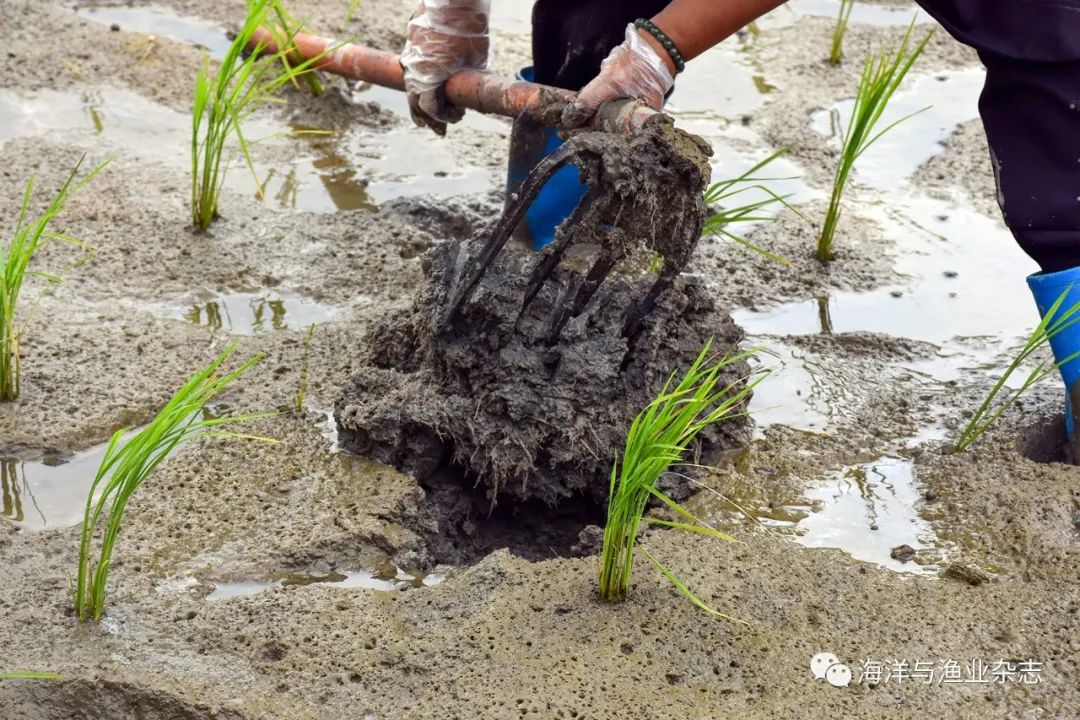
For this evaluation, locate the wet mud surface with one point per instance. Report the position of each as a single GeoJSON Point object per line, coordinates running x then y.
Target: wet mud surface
{"type": "Point", "coordinates": [877, 362]}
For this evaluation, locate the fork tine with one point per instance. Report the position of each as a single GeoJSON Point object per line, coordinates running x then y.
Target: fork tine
{"type": "Point", "coordinates": [563, 239]}
{"type": "Point", "coordinates": [677, 258]}
{"type": "Point", "coordinates": [560, 312]}
{"type": "Point", "coordinates": [513, 214]}
{"type": "Point", "coordinates": [610, 255]}
{"type": "Point", "coordinates": [636, 313]}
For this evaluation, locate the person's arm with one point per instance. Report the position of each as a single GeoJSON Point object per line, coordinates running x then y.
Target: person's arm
{"type": "Point", "coordinates": [696, 25]}
{"type": "Point", "coordinates": [641, 68]}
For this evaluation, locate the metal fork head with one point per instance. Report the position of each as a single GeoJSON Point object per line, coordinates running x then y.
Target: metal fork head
{"type": "Point", "coordinates": [645, 196]}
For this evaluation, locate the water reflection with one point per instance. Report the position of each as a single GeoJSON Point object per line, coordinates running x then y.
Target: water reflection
{"type": "Point", "coordinates": [255, 313]}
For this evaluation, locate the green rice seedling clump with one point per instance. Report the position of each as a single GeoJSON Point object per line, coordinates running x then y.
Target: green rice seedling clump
{"type": "Point", "coordinates": [836, 50]}
{"type": "Point", "coordinates": [1055, 321]}
{"type": "Point", "coordinates": [658, 438]}
{"type": "Point", "coordinates": [881, 76]}
{"type": "Point", "coordinates": [225, 99]}
{"type": "Point", "coordinates": [127, 465]}
{"type": "Point", "coordinates": [723, 212]}
{"type": "Point", "coordinates": [31, 234]}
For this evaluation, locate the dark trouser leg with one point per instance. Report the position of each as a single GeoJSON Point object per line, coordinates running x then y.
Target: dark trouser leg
{"type": "Point", "coordinates": [1031, 112]}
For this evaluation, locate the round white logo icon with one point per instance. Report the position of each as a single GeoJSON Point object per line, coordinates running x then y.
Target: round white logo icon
{"type": "Point", "coordinates": [838, 675]}
{"type": "Point", "coordinates": [826, 666]}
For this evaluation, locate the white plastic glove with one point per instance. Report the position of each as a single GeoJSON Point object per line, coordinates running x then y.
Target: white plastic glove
{"type": "Point", "coordinates": [631, 70]}
{"type": "Point", "coordinates": [444, 36]}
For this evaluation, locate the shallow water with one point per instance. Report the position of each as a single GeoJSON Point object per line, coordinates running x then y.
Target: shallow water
{"type": "Point", "coordinates": [94, 115]}
{"type": "Point", "coordinates": [251, 313]}
{"type": "Point", "coordinates": [379, 580]}
{"type": "Point", "coordinates": [868, 510]}
{"type": "Point", "coordinates": [865, 509]}
{"type": "Point", "coordinates": [163, 22]}
{"type": "Point", "coordinates": [321, 156]}
{"type": "Point", "coordinates": [964, 292]}
{"type": "Point", "coordinates": [49, 492]}
{"type": "Point", "coordinates": [400, 164]}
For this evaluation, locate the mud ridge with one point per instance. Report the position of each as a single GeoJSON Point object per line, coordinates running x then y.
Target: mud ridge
{"type": "Point", "coordinates": [89, 699]}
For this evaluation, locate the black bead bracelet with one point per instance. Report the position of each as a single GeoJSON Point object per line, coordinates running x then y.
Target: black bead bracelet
{"type": "Point", "coordinates": [665, 42]}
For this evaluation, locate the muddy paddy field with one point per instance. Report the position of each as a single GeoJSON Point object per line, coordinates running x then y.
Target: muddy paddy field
{"type": "Point", "coordinates": [300, 580]}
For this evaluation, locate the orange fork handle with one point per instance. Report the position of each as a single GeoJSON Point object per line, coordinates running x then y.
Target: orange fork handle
{"type": "Point", "coordinates": [469, 89]}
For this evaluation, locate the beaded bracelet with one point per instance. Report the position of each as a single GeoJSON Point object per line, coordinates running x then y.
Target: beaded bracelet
{"type": "Point", "coordinates": [664, 40]}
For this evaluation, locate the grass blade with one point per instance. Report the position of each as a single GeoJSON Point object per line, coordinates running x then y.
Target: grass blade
{"type": "Point", "coordinates": [685, 591]}
{"type": "Point", "coordinates": [29, 675]}
{"type": "Point", "coordinates": [721, 193]}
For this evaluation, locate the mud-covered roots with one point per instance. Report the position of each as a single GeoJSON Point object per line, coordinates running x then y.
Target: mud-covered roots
{"type": "Point", "coordinates": [522, 372]}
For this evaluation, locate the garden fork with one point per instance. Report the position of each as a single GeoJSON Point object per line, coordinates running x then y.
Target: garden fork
{"type": "Point", "coordinates": [620, 196]}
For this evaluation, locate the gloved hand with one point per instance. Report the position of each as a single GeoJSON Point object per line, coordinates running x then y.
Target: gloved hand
{"type": "Point", "coordinates": [444, 36]}
{"type": "Point", "coordinates": [632, 69]}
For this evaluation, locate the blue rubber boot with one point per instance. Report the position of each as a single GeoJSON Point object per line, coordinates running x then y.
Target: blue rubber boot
{"type": "Point", "coordinates": [530, 143]}
{"type": "Point", "coordinates": [1047, 288]}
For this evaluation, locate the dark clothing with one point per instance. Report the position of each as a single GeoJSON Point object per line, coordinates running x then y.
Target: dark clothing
{"type": "Point", "coordinates": [571, 37]}
{"type": "Point", "coordinates": [1043, 30]}
{"type": "Point", "coordinates": [1029, 105]}
{"type": "Point", "coordinates": [1031, 112]}
{"type": "Point", "coordinates": [1030, 108]}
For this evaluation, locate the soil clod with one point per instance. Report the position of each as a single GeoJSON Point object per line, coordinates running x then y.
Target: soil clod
{"type": "Point", "coordinates": [519, 373]}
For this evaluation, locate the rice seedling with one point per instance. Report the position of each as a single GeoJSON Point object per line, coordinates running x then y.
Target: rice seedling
{"type": "Point", "coordinates": [722, 192]}
{"type": "Point", "coordinates": [1055, 321]}
{"type": "Point", "coordinates": [285, 31]}
{"type": "Point", "coordinates": [30, 675]}
{"type": "Point", "coordinates": [881, 76]}
{"type": "Point", "coordinates": [31, 235]}
{"type": "Point", "coordinates": [301, 390]}
{"type": "Point", "coordinates": [657, 439]}
{"type": "Point", "coordinates": [127, 465]}
{"type": "Point", "coordinates": [836, 51]}
{"type": "Point", "coordinates": [225, 99]}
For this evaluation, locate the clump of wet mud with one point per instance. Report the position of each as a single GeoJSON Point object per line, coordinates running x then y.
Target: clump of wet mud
{"type": "Point", "coordinates": [521, 382]}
